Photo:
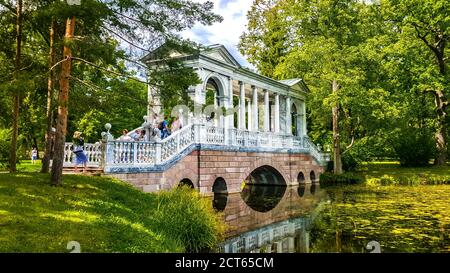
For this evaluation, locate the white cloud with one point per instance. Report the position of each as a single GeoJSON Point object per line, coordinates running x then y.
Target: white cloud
{"type": "Point", "coordinates": [234, 13]}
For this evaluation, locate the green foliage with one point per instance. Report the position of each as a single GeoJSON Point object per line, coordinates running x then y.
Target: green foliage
{"type": "Point", "coordinates": [100, 88]}
{"type": "Point", "coordinates": [420, 48]}
{"type": "Point", "coordinates": [102, 214]}
{"type": "Point", "coordinates": [330, 179]}
{"type": "Point", "coordinates": [414, 147]}
{"type": "Point", "coordinates": [174, 80]}
{"type": "Point", "coordinates": [349, 162]}
{"type": "Point", "coordinates": [266, 40]}
{"type": "Point", "coordinates": [5, 146]}
{"type": "Point", "coordinates": [414, 180]}
{"type": "Point", "coordinates": [381, 55]}
{"type": "Point", "coordinates": [91, 124]}
{"type": "Point", "coordinates": [391, 173]}
{"type": "Point", "coordinates": [189, 218]}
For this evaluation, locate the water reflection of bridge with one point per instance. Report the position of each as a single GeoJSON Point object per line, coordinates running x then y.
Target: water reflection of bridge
{"type": "Point", "coordinates": [282, 229]}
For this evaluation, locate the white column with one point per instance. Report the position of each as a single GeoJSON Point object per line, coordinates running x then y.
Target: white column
{"type": "Point", "coordinates": [239, 114]}
{"type": "Point", "coordinates": [249, 114]}
{"type": "Point", "coordinates": [277, 113]}
{"type": "Point", "coordinates": [255, 109]}
{"type": "Point", "coordinates": [242, 105]}
{"type": "Point", "coordinates": [149, 99]}
{"type": "Point", "coordinates": [304, 118]}
{"type": "Point", "coordinates": [230, 103]}
{"type": "Point", "coordinates": [266, 111]}
{"type": "Point", "coordinates": [291, 244]}
{"type": "Point", "coordinates": [288, 116]}
{"type": "Point", "coordinates": [218, 120]}
{"type": "Point", "coordinates": [153, 102]}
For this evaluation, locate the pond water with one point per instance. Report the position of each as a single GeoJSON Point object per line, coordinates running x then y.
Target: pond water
{"type": "Point", "coordinates": [310, 219]}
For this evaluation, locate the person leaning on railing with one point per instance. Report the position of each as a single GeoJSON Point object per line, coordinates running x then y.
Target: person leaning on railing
{"type": "Point", "coordinates": [125, 136]}
{"type": "Point", "coordinates": [142, 136]}
{"type": "Point", "coordinates": [164, 127]}
{"type": "Point", "coordinates": [78, 149]}
{"type": "Point", "coordinates": [176, 124]}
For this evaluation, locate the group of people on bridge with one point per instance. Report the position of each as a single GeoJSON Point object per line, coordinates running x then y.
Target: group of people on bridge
{"type": "Point", "coordinates": [157, 131]}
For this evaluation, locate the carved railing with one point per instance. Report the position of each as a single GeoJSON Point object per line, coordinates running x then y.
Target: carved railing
{"type": "Point", "coordinates": [132, 153]}
{"type": "Point", "coordinates": [215, 135]}
{"type": "Point", "coordinates": [93, 152]}
{"type": "Point", "coordinates": [315, 151]}
{"type": "Point", "coordinates": [177, 142]}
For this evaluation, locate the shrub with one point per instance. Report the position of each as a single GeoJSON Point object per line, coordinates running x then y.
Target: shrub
{"type": "Point", "coordinates": [438, 180]}
{"type": "Point", "coordinates": [182, 213]}
{"type": "Point", "coordinates": [329, 166]}
{"type": "Point", "coordinates": [5, 144]}
{"type": "Point", "coordinates": [349, 162]}
{"type": "Point", "coordinates": [386, 180]}
{"type": "Point", "coordinates": [329, 179]}
{"type": "Point", "coordinates": [415, 147]}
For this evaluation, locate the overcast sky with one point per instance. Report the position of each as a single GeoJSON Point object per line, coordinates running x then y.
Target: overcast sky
{"type": "Point", "coordinates": [234, 13]}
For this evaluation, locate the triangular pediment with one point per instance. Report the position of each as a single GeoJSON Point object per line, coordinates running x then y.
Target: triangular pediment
{"type": "Point", "coordinates": [220, 53]}
{"type": "Point", "coordinates": [216, 52]}
{"type": "Point", "coordinates": [295, 84]}
{"type": "Point", "coordinates": [163, 52]}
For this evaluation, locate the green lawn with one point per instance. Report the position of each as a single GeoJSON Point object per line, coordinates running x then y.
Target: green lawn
{"type": "Point", "coordinates": [102, 214]}
{"type": "Point", "coordinates": [376, 169]}
{"type": "Point", "coordinates": [392, 171]}
{"type": "Point", "coordinates": [26, 166]}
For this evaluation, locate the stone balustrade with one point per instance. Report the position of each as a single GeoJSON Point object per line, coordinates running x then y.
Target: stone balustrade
{"type": "Point", "coordinates": [144, 154]}
{"type": "Point", "coordinates": [93, 152]}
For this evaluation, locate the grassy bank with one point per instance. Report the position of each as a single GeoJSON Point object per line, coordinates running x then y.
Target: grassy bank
{"type": "Point", "coordinates": [390, 173]}
{"type": "Point", "coordinates": [103, 215]}
{"type": "Point", "coordinates": [25, 166]}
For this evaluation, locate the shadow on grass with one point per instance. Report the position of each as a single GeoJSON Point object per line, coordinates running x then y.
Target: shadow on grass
{"type": "Point", "coordinates": [103, 214]}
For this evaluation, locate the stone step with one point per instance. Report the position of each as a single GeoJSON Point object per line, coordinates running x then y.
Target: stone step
{"type": "Point", "coordinates": [89, 170]}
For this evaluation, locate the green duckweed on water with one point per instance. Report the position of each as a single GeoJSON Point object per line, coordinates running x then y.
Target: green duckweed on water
{"type": "Point", "coordinates": [400, 218]}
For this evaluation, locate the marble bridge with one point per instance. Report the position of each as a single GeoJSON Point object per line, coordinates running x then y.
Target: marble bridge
{"type": "Point", "coordinates": [266, 136]}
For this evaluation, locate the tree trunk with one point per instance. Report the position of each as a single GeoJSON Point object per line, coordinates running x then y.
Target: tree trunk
{"type": "Point", "coordinates": [337, 161]}
{"type": "Point", "coordinates": [441, 102]}
{"type": "Point", "coordinates": [50, 87]}
{"type": "Point", "coordinates": [16, 96]}
{"type": "Point", "coordinates": [63, 100]}
{"type": "Point", "coordinates": [338, 241]}
{"type": "Point", "coordinates": [441, 144]}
